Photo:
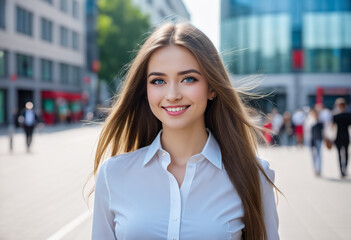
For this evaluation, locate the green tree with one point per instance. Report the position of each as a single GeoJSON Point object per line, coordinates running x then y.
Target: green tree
{"type": "Point", "coordinates": [121, 26]}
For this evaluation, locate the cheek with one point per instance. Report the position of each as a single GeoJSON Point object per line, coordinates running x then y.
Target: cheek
{"type": "Point", "coordinates": [199, 94]}
{"type": "Point", "coordinates": [153, 96]}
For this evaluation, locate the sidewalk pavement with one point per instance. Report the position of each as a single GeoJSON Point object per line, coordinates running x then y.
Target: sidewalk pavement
{"type": "Point", "coordinates": [314, 208]}
{"type": "Point", "coordinates": [41, 191]}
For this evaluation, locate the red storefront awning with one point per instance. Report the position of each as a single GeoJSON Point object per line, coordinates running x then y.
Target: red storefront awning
{"type": "Point", "coordinates": [66, 95]}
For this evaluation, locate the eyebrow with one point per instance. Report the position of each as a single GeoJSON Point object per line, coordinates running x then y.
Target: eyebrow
{"type": "Point", "coordinates": [179, 73]}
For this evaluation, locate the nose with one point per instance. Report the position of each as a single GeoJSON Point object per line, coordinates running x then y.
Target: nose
{"type": "Point", "coordinates": [173, 92]}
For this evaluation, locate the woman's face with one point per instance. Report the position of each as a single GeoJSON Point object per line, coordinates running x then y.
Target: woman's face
{"type": "Point", "coordinates": [176, 89]}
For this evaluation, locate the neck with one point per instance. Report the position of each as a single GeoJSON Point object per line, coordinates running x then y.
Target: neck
{"type": "Point", "coordinates": [182, 144]}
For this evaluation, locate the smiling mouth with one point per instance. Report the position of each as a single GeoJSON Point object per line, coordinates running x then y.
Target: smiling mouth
{"type": "Point", "coordinates": [175, 109]}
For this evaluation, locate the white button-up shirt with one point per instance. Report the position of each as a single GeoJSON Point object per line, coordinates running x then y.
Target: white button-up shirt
{"type": "Point", "coordinates": [136, 197]}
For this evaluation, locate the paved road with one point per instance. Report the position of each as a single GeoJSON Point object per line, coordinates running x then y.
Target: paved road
{"type": "Point", "coordinates": [41, 192]}
{"type": "Point", "coordinates": [313, 208]}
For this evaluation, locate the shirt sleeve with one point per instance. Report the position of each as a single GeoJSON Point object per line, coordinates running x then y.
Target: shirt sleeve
{"type": "Point", "coordinates": [103, 218]}
{"type": "Point", "coordinates": [268, 201]}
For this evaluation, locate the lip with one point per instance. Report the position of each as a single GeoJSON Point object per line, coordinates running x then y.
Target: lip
{"type": "Point", "coordinates": [176, 113]}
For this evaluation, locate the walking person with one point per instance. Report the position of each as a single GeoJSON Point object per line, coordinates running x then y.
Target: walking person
{"type": "Point", "coordinates": [183, 162]}
{"type": "Point", "coordinates": [342, 120]}
{"type": "Point", "coordinates": [316, 133]}
{"type": "Point", "coordinates": [287, 130]}
{"type": "Point", "coordinates": [298, 119]}
{"type": "Point", "coordinates": [277, 122]}
{"type": "Point", "coordinates": [28, 119]}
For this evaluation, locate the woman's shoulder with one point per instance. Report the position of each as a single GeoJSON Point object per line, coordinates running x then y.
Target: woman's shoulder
{"type": "Point", "coordinates": [267, 170]}
{"type": "Point", "coordinates": [126, 160]}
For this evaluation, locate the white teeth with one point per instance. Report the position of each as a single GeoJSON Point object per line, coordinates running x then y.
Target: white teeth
{"type": "Point", "coordinates": [177, 109]}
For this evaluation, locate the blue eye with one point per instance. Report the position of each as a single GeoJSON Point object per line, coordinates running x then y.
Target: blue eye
{"type": "Point", "coordinates": [189, 79]}
{"type": "Point", "coordinates": [157, 81]}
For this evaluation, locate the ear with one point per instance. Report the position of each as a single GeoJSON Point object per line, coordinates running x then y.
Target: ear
{"type": "Point", "coordinates": [212, 94]}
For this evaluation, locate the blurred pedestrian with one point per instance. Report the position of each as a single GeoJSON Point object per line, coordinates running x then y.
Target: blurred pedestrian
{"type": "Point", "coordinates": [316, 128]}
{"type": "Point", "coordinates": [277, 122]}
{"type": "Point", "coordinates": [287, 130]}
{"type": "Point", "coordinates": [326, 117]}
{"type": "Point", "coordinates": [298, 120]}
{"type": "Point", "coordinates": [28, 119]}
{"type": "Point", "coordinates": [191, 172]}
{"type": "Point", "coordinates": [342, 120]}
{"type": "Point", "coordinates": [267, 127]}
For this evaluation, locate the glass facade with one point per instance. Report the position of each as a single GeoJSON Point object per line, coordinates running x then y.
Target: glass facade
{"type": "Point", "coordinates": [46, 29]}
{"type": "Point", "coordinates": [2, 14]}
{"type": "Point", "coordinates": [75, 40]}
{"type": "Point", "coordinates": [75, 9]}
{"type": "Point", "coordinates": [284, 36]}
{"type": "Point", "coordinates": [3, 60]}
{"type": "Point", "coordinates": [64, 36]}
{"type": "Point", "coordinates": [64, 6]}
{"type": "Point", "coordinates": [46, 70]}
{"type": "Point", "coordinates": [64, 75]}
{"type": "Point", "coordinates": [25, 65]}
{"type": "Point", "coordinates": [24, 21]}
{"type": "Point", "coordinates": [76, 75]}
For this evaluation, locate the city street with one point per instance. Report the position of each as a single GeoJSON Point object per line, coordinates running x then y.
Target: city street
{"type": "Point", "coordinates": [41, 191]}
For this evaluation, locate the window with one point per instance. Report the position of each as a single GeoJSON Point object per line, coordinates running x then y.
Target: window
{"type": "Point", "coordinates": [3, 60]}
{"type": "Point", "coordinates": [75, 9]}
{"type": "Point", "coordinates": [24, 65]}
{"type": "Point", "coordinates": [64, 75]}
{"type": "Point", "coordinates": [46, 70]}
{"type": "Point", "coordinates": [169, 4]}
{"type": "Point", "coordinates": [2, 14]}
{"type": "Point", "coordinates": [75, 41]}
{"type": "Point", "coordinates": [24, 21]}
{"type": "Point", "coordinates": [46, 29]}
{"type": "Point", "coordinates": [64, 6]}
{"type": "Point", "coordinates": [76, 75]}
{"type": "Point", "coordinates": [63, 36]}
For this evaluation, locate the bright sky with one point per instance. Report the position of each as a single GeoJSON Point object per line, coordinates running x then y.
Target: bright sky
{"type": "Point", "coordinates": [205, 16]}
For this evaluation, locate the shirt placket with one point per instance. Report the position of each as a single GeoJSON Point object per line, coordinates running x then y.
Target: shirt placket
{"type": "Point", "coordinates": [175, 201]}
{"type": "Point", "coordinates": [178, 196]}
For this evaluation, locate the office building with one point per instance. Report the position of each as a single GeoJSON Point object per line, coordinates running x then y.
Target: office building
{"type": "Point", "coordinates": [299, 50]}
{"type": "Point", "coordinates": [42, 58]}
{"type": "Point", "coordinates": [161, 10]}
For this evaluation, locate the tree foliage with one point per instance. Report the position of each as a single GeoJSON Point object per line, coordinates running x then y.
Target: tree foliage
{"type": "Point", "coordinates": [120, 28]}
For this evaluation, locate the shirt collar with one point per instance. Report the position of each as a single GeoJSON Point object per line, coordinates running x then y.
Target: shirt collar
{"type": "Point", "coordinates": [211, 151]}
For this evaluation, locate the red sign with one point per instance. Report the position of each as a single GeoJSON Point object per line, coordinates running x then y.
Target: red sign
{"type": "Point", "coordinates": [319, 95]}
{"type": "Point", "coordinates": [95, 66]}
{"type": "Point", "coordinates": [14, 77]}
{"type": "Point", "coordinates": [297, 57]}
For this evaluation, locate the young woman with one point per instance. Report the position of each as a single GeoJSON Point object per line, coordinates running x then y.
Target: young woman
{"type": "Point", "coordinates": [183, 150]}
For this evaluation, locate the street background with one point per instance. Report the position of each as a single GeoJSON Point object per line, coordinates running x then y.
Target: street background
{"type": "Point", "coordinates": [41, 191]}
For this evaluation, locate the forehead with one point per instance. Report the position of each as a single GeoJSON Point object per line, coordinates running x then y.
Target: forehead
{"type": "Point", "coordinates": [172, 58]}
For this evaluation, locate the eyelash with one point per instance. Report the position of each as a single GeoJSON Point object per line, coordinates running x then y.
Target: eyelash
{"type": "Point", "coordinates": [192, 78]}
{"type": "Point", "coordinates": [157, 81]}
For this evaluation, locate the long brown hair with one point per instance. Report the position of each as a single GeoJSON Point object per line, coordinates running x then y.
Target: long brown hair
{"type": "Point", "coordinates": [226, 117]}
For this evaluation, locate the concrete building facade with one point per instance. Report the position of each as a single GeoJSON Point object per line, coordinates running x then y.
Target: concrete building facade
{"type": "Point", "coordinates": [42, 58]}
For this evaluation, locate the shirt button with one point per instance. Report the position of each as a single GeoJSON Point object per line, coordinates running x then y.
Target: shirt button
{"type": "Point", "coordinates": [194, 160]}
{"type": "Point", "coordinates": [174, 238]}
{"type": "Point", "coordinates": [175, 218]}
{"type": "Point", "coordinates": [163, 154]}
